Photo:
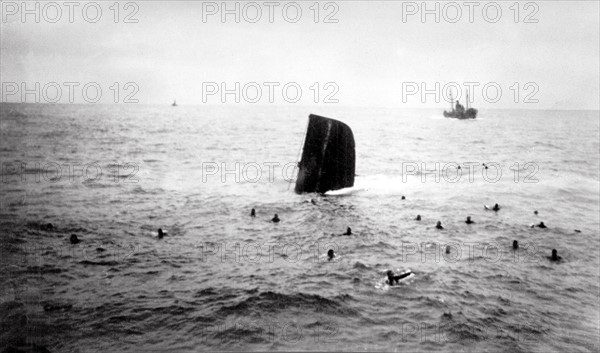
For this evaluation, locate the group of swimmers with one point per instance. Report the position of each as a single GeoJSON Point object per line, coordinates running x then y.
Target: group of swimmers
{"type": "Point", "coordinates": [392, 278]}
{"type": "Point", "coordinates": [496, 208]}
{"type": "Point", "coordinates": [275, 218]}
{"type": "Point", "coordinates": [438, 225]}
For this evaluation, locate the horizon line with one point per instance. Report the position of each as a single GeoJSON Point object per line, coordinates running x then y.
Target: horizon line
{"type": "Point", "coordinates": [212, 105]}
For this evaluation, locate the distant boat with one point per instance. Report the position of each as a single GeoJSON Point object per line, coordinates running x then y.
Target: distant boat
{"type": "Point", "coordinates": [328, 157]}
{"type": "Point", "coordinates": [174, 103]}
{"type": "Point", "coordinates": [459, 112]}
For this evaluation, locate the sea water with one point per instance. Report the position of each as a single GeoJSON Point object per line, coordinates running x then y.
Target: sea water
{"type": "Point", "coordinates": [221, 280]}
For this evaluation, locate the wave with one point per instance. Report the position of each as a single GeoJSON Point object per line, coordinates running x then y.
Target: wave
{"type": "Point", "coordinates": [273, 302]}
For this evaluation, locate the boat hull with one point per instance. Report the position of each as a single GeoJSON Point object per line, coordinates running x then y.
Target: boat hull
{"type": "Point", "coordinates": [470, 113]}
{"type": "Point", "coordinates": [328, 157]}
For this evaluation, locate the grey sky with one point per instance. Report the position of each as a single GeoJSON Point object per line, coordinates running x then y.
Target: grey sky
{"type": "Point", "coordinates": [367, 54]}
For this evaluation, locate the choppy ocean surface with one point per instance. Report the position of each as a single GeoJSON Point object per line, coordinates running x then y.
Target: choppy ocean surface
{"type": "Point", "coordinates": [221, 280]}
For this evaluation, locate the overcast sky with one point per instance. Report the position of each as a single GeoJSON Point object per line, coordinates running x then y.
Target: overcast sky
{"type": "Point", "coordinates": [374, 52]}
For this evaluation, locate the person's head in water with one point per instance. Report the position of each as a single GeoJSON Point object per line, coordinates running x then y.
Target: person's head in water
{"type": "Point", "coordinates": [73, 239]}
{"type": "Point", "coordinates": [160, 233]}
{"type": "Point", "coordinates": [542, 225]}
{"type": "Point", "coordinates": [555, 256]}
{"type": "Point", "coordinates": [253, 213]}
{"type": "Point", "coordinates": [390, 275]}
{"type": "Point", "coordinates": [535, 212]}
{"type": "Point", "coordinates": [469, 221]}
{"type": "Point", "coordinates": [438, 225]}
{"type": "Point", "coordinates": [418, 217]}
{"type": "Point", "coordinates": [447, 249]}
{"type": "Point", "coordinates": [330, 254]}
{"type": "Point", "coordinates": [275, 218]}
{"type": "Point", "coordinates": [403, 197]}
{"type": "Point", "coordinates": [348, 231]}
{"type": "Point", "coordinates": [515, 244]}
{"type": "Point", "coordinates": [496, 207]}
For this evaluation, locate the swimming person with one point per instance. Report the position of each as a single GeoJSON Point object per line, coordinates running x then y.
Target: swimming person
{"type": "Point", "coordinates": [439, 225]}
{"type": "Point", "coordinates": [541, 225]}
{"type": "Point", "coordinates": [348, 231]}
{"type": "Point", "coordinates": [469, 221]}
{"type": "Point", "coordinates": [161, 234]}
{"type": "Point", "coordinates": [496, 207]}
{"type": "Point", "coordinates": [403, 198]}
{"type": "Point", "coordinates": [418, 217]}
{"type": "Point", "coordinates": [275, 219]}
{"type": "Point", "coordinates": [253, 213]}
{"type": "Point", "coordinates": [535, 212]}
{"type": "Point", "coordinates": [393, 278]}
{"type": "Point", "coordinates": [330, 254]}
{"type": "Point", "coordinates": [515, 245]}
{"type": "Point", "coordinates": [447, 249]}
{"type": "Point", "coordinates": [74, 239]}
{"type": "Point", "coordinates": [555, 256]}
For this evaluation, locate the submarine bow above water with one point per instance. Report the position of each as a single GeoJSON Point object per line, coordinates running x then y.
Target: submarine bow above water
{"type": "Point", "coordinates": [328, 157]}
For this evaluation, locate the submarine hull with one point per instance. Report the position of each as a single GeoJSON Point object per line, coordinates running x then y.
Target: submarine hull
{"type": "Point", "coordinates": [328, 157]}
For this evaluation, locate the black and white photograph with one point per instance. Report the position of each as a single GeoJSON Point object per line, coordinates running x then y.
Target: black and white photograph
{"type": "Point", "coordinates": [299, 176]}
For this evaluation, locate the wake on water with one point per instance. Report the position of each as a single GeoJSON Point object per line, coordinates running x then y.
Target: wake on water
{"type": "Point", "coordinates": [377, 184]}
{"type": "Point", "coordinates": [345, 191]}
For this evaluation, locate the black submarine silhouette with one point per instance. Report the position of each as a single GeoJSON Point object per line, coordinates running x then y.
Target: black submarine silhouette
{"type": "Point", "coordinates": [328, 157]}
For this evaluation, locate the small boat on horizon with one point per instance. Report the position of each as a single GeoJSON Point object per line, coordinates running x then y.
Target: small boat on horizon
{"type": "Point", "coordinates": [458, 111]}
